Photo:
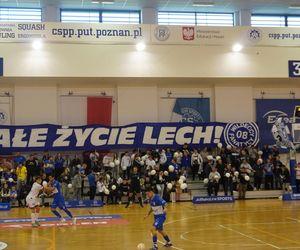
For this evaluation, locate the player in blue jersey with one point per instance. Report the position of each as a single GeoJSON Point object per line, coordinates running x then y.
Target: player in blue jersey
{"type": "Point", "coordinates": [58, 200]}
{"type": "Point", "coordinates": [158, 208]}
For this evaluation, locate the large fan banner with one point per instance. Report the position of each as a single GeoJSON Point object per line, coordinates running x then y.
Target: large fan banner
{"type": "Point", "coordinates": [138, 135]}
{"type": "Point", "coordinates": [268, 111]}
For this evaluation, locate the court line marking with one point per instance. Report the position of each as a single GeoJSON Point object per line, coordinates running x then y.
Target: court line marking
{"type": "Point", "coordinates": [171, 246]}
{"type": "Point", "coordinates": [220, 244]}
{"type": "Point", "coordinates": [276, 236]}
{"type": "Point", "coordinates": [289, 218]}
{"type": "Point", "coordinates": [248, 236]}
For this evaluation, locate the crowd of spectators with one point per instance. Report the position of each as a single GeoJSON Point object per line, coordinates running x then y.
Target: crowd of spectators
{"type": "Point", "coordinates": [107, 175]}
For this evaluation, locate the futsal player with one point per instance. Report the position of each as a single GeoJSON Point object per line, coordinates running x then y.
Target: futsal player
{"type": "Point", "coordinates": [58, 200]}
{"type": "Point", "coordinates": [158, 207]}
{"type": "Point", "coordinates": [134, 187]}
{"type": "Point", "coordinates": [32, 201]}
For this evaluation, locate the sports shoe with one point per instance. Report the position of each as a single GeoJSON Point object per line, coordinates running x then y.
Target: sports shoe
{"type": "Point", "coordinates": [34, 224]}
{"type": "Point", "coordinates": [168, 244]}
{"type": "Point", "coordinates": [154, 248]}
{"type": "Point", "coordinates": [74, 219]}
{"type": "Point", "coordinates": [37, 222]}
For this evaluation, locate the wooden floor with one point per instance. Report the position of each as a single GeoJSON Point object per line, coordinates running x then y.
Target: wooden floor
{"type": "Point", "coordinates": [251, 224]}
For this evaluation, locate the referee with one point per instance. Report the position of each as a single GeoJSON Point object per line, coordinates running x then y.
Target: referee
{"type": "Point", "coordinates": [134, 187]}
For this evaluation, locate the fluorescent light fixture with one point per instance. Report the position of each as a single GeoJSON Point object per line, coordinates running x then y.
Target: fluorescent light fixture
{"type": "Point", "coordinates": [237, 47]}
{"type": "Point", "coordinates": [37, 44]}
{"type": "Point", "coordinates": [202, 4]}
{"type": "Point", "coordinates": [140, 46]}
{"type": "Point", "coordinates": [294, 6]}
{"type": "Point", "coordinates": [96, 2]}
{"type": "Point", "coordinates": [108, 2]}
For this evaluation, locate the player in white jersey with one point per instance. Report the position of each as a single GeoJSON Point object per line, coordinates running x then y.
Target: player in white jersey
{"type": "Point", "coordinates": [32, 201]}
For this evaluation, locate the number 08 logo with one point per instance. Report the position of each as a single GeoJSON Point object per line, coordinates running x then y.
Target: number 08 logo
{"type": "Point", "coordinates": [241, 134]}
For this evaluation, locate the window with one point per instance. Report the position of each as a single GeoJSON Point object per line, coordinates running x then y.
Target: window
{"type": "Point", "coordinates": [192, 18]}
{"type": "Point", "coordinates": [78, 16]}
{"type": "Point", "coordinates": [293, 21]}
{"type": "Point", "coordinates": [20, 15]}
{"type": "Point", "coordinates": [176, 18]}
{"type": "Point", "coordinates": [268, 21]}
{"type": "Point", "coordinates": [129, 17]}
{"type": "Point", "coordinates": [96, 16]}
{"type": "Point", "coordinates": [214, 19]}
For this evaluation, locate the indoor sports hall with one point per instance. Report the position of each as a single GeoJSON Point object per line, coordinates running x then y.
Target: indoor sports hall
{"type": "Point", "coordinates": [149, 124]}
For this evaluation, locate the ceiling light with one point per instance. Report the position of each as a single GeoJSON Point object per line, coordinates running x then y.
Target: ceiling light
{"type": "Point", "coordinates": [37, 44]}
{"type": "Point", "coordinates": [294, 6]}
{"type": "Point", "coordinates": [200, 4]}
{"type": "Point", "coordinates": [108, 2]}
{"type": "Point", "coordinates": [237, 47]}
{"type": "Point", "coordinates": [140, 46]}
{"type": "Point", "coordinates": [97, 2]}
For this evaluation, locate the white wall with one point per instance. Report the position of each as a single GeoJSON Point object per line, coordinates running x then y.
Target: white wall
{"type": "Point", "coordinates": [35, 104]}
{"type": "Point", "coordinates": [234, 104]}
{"type": "Point", "coordinates": [87, 60]}
{"type": "Point", "coordinates": [137, 104]}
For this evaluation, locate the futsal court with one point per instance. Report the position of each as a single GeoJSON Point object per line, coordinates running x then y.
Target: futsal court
{"type": "Point", "coordinates": [251, 224]}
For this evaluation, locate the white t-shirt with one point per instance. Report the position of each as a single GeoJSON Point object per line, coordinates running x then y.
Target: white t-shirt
{"type": "Point", "coordinates": [35, 190]}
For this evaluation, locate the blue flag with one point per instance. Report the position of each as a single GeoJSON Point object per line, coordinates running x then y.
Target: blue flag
{"type": "Point", "coordinates": [191, 110]}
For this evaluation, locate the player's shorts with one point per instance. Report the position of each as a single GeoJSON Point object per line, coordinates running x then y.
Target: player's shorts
{"type": "Point", "coordinates": [159, 222]}
{"type": "Point", "coordinates": [32, 202]}
{"type": "Point", "coordinates": [58, 201]}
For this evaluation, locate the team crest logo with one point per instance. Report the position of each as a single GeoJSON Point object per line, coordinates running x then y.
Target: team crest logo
{"type": "Point", "coordinates": [188, 33]}
{"type": "Point", "coordinates": [254, 35]}
{"type": "Point", "coordinates": [191, 115]}
{"type": "Point", "coordinates": [272, 116]}
{"type": "Point", "coordinates": [3, 116]}
{"type": "Point", "coordinates": [241, 134]}
{"type": "Point", "coordinates": [162, 33]}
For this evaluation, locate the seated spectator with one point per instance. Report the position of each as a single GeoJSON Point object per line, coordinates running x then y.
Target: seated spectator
{"type": "Point", "coordinates": [5, 194]}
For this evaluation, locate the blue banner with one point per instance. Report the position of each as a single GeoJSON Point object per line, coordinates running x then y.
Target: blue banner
{"type": "Point", "coordinates": [139, 135]}
{"type": "Point", "coordinates": [191, 110]}
{"type": "Point", "coordinates": [83, 203]}
{"type": "Point", "coordinates": [269, 110]}
{"type": "Point", "coordinates": [212, 199]}
{"type": "Point", "coordinates": [5, 206]}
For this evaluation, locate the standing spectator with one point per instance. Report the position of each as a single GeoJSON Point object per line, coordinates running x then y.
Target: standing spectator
{"type": "Point", "coordinates": [228, 183]}
{"type": "Point", "coordinates": [94, 158]}
{"type": "Point", "coordinates": [5, 194]}
{"type": "Point", "coordinates": [59, 166]}
{"type": "Point", "coordinates": [92, 184]}
{"type": "Point", "coordinates": [213, 184]}
{"type": "Point", "coordinates": [285, 176]}
{"type": "Point", "coordinates": [77, 185]}
{"type": "Point", "coordinates": [258, 170]}
{"type": "Point", "coordinates": [125, 165]}
{"type": "Point", "coordinates": [49, 166]}
{"type": "Point", "coordinates": [185, 161]}
{"type": "Point", "coordinates": [101, 188]}
{"type": "Point", "coordinates": [22, 193]}
{"type": "Point", "coordinates": [19, 159]}
{"type": "Point", "coordinates": [243, 183]}
{"type": "Point", "coordinates": [169, 155]}
{"type": "Point", "coordinates": [277, 171]}
{"type": "Point", "coordinates": [32, 169]}
{"type": "Point", "coordinates": [163, 160]}
{"type": "Point", "coordinates": [107, 159]}
{"type": "Point", "coordinates": [21, 172]}
{"type": "Point", "coordinates": [268, 169]}
{"type": "Point", "coordinates": [74, 163]}
{"type": "Point", "coordinates": [197, 164]}
{"type": "Point", "coordinates": [297, 169]}
{"type": "Point", "coordinates": [65, 180]}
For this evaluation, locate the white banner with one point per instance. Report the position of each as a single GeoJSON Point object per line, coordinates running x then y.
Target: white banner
{"type": "Point", "coordinates": [150, 34]}
{"type": "Point", "coordinates": [199, 35]}
{"type": "Point", "coordinates": [74, 33]}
